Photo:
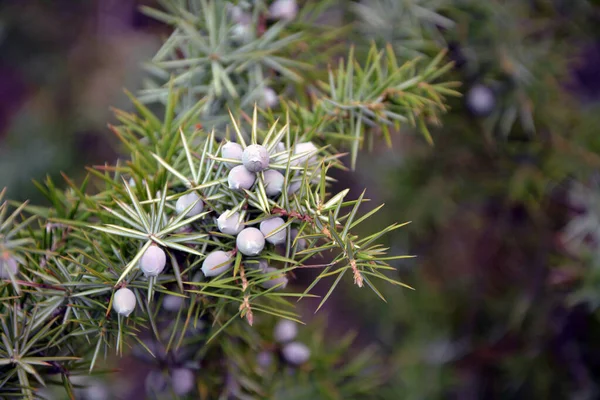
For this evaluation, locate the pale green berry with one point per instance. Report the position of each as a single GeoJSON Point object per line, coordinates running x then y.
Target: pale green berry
{"type": "Point", "coordinates": [255, 158]}
{"type": "Point", "coordinates": [240, 178]}
{"type": "Point", "coordinates": [296, 353]}
{"type": "Point", "coordinates": [216, 263]}
{"type": "Point", "coordinates": [231, 224]}
{"type": "Point", "coordinates": [232, 151]}
{"type": "Point", "coordinates": [269, 225]}
{"type": "Point", "coordinates": [187, 200]}
{"type": "Point", "coordinates": [182, 380]}
{"type": "Point", "coordinates": [285, 331]}
{"type": "Point", "coordinates": [124, 301]}
{"type": "Point", "coordinates": [153, 261]}
{"type": "Point", "coordinates": [250, 242]}
{"type": "Point", "coordinates": [277, 279]}
{"type": "Point", "coordinates": [273, 182]}
{"type": "Point", "coordinates": [8, 264]}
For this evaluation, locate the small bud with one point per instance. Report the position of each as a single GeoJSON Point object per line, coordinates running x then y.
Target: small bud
{"type": "Point", "coordinates": [187, 200]}
{"type": "Point", "coordinates": [276, 280]}
{"type": "Point", "coordinates": [269, 225]}
{"type": "Point", "coordinates": [240, 178]}
{"type": "Point", "coordinates": [255, 158]}
{"type": "Point", "coordinates": [232, 151]}
{"type": "Point", "coordinates": [250, 242]}
{"type": "Point", "coordinates": [308, 151]}
{"type": "Point", "coordinates": [284, 9]}
{"type": "Point", "coordinates": [182, 380]}
{"type": "Point", "coordinates": [131, 183]}
{"type": "Point", "coordinates": [480, 100]}
{"type": "Point", "coordinates": [269, 98]}
{"type": "Point", "coordinates": [153, 261]}
{"type": "Point", "coordinates": [273, 182]}
{"type": "Point", "coordinates": [285, 331]}
{"type": "Point", "coordinates": [172, 303]}
{"type": "Point", "coordinates": [8, 264]}
{"type": "Point", "coordinates": [300, 243]}
{"type": "Point", "coordinates": [230, 225]}
{"type": "Point", "coordinates": [296, 353]}
{"type": "Point", "coordinates": [124, 301]}
{"type": "Point", "coordinates": [216, 263]}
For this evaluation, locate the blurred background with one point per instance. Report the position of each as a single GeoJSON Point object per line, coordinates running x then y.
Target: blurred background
{"type": "Point", "coordinates": [505, 207]}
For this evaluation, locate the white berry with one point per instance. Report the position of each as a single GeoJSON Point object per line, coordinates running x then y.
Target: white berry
{"type": "Point", "coordinates": [216, 263]}
{"type": "Point", "coordinates": [6, 265]}
{"type": "Point", "coordinates": [269, 98]}
{"type": "Point", "coordinates": [264, 359]}
{"type": "Point", "coordinates": [255, 158]}
{"type": "Point", "coordinates": [284, 9]}
{"type": "Point", "coordinates": [269, 225]}
{"type": "Point", "coordinates": [240, 178]}
{"type": "Point", "coordinates": [187, 200]}
{"type": "Point", "coordinates": [124, 301]}
{"type": "Point", "coordinates": [277, 280]}
{"type": "Point", "coordinates": [250, 242]}
{"type": "Point", "coordinates": [172, 303]}
{"type": "Point", "coordinates": [296, 353]}
{"type": "Point", "coordinates": [285, 331]}
{"type": "Point", "coordinates": [153, 261]}
{"type": "Point", "coordinates": [182, 380]}
{"type": "Point", "coordinates": [480, 100]}
{"type": "Point", "coordinates": [273, 182]}
{"type": "Point", "coordinates": [232, 151]}
{"type": "Point", "coordinates": [231, 224]}
{"type": "Point", "coordinates": [308, 151]}
{"type": "Point", "coordinates": [300, 243]}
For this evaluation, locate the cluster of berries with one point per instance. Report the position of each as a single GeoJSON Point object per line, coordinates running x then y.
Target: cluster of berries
{"type": "Point", "coordinates": [246, 164]}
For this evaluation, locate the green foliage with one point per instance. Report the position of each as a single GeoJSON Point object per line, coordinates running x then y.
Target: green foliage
{"type": "Point", "coordinates": [58, 315]}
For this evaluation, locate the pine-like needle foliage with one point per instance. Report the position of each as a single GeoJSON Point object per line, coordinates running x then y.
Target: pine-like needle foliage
{"type": "Point", "coordinates": [63, 266]}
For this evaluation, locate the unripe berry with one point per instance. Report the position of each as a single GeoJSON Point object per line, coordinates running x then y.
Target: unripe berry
{"type": "Point", "coordinates": [276, 280]}
{"type": "Point", "coordinates": [285, 331]}
{"type": "Point", "coordinates": [230, 225]}
{"type": "Point", "coordinates": [269, 225]}
{"type": "Point", "coordinates": [269, 98]}
{"type": "Point", "coordinates": [255, 158]}
{"type": "Point", "coordinates": [308, 151]}
{"type": "Point", "coordinates": [280, 147]}
{"type": "Point", "coordinates": [250, 242]}
{"type": "Point", "coordinates": [155, 382]}
{"type": "Point", "coordinates": [264, 359]}
{"type": "Point", "coordinates": [296, 353]}
{"type": "Point", "coordinates": [240, 178]}
{"type": "Point", "coordinates": [182, 380]}
{"type": "Point", "coordinates": [233, 151]}
{"type": "Point", "coordinates": [216, 263]}
{"type": "Point", "coordinates": [124, 301]}
{"type": "Point", "coordinates": [300, 243]}
{"type": "Point", "coordinates": [480, 100]}
{"type": "Point", "coordinates": [187, 200]}
{"type": "Point", "coordinates": [284, 9]}
{"type": "Point", "coordinates": [273, 182]}
{"type": "Point", "coordinates": [293, 187]}
{"type": "Point", "coordinates": [153, 261]}
{"type": "Point", "coordinates": [8, 264]}
{"type": "Point", "coordinates": [172, 303]}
